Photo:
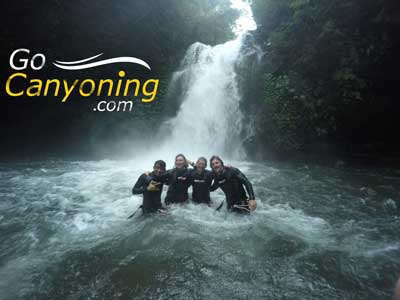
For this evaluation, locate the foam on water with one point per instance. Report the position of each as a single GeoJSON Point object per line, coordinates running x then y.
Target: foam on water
{"type": "Point", "coordinates": [81, 207]}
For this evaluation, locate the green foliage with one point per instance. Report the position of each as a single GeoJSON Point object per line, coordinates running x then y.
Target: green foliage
{"type": "Point", "coordinates": [321, 61]}
{"type": "Point", "coordinates": [295, 113]}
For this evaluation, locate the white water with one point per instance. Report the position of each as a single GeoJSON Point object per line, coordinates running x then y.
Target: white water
{"type": "Point", "coordinates": [209, 120]}
{"type": "Point", "coordinates": [58, 219]}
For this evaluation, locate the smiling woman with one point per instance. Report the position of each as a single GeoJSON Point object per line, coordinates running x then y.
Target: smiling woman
{"type": "Point", "coordinates": [85, 88]}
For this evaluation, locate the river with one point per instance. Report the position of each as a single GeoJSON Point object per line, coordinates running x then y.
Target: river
{"type": "Point", "coordinates": [318, 233]}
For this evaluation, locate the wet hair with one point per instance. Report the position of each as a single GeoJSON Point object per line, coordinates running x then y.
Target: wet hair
{"type": "Point", "coordinates": [161, 163]}
{"type": "Point", "coordinates": [180, 154]}
{"type": "Point", "coordinates": [203, 159]}
{"type": "Point", "coordinates": [216, 157]}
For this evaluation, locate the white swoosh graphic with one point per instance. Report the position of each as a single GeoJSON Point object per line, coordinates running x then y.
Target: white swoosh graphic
{"type": "Point", "coordinates": [133, 60]}
{"type": "Point", "coordinates": [78, 61]}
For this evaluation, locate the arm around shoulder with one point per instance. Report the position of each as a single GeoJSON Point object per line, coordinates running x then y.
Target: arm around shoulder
{"type": "Point", "coordinates": [247, 184]}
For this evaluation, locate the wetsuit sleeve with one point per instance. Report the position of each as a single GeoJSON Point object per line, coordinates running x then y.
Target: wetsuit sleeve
{"type": "Point", "coordinates": [167, 177]}
{"type": "Point", "coordinates": [213, 183]}
{"type": "Point", "coordinates": [190, 177]}
{"type": "Point", "coordinates": [214, 186]}
{"type": "Point", "coordinates": [139, 186]}
{"type": "Point", "coordinates": [164, 178]}
{"type": "Point", "coordinates": [247, 184]}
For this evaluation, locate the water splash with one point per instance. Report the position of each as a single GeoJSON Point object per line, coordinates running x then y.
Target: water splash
{"type": "Point", "coordinates": [245, 22]}
{"type": "Point", "coordinates": [209, 120]}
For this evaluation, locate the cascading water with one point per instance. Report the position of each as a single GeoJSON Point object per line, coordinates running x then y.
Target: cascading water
{"type": "Point", "coordinates": [209, 120]}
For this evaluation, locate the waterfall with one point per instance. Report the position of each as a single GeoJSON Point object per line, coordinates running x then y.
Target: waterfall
{"type": "Point", "coordinates": [209, 120]}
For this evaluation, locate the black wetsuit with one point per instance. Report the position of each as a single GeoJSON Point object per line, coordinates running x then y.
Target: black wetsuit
{"type": "Point", "coordinates": [178, 182]}
{"type": "Point", "coordinates": [151, 200]}
{"type": "Point", "coordinates": [231, 181]}
{"type": "Point", "coordinates": [201, 184]}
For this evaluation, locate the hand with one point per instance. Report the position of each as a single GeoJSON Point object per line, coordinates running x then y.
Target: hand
{"type": "Point", "coordinates": [162, 211]}
{"type": "Point", "coordinates": [153, 186]}
{"type": "Point", "coordinates": [252, 205]}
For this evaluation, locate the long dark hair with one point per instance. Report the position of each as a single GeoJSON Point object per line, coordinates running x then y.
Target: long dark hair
{"type": "Point", "coordinates": [161, 163]}
{"type": "Point", "coordinates": [203, 159]}
{"type": "Point", "coordinates": [217, 158]}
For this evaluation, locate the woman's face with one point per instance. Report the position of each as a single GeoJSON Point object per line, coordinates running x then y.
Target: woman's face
{"type": "Point", "coordinates": [200, 165]}
{"type": "Point", "coordinates": [180, 162]}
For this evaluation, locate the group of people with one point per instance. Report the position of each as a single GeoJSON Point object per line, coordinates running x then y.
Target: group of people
{"type": "Point", "coordinates": [231, 180]}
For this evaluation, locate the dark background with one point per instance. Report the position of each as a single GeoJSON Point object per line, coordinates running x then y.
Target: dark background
{"type": "Point", "coordinates": [159, 32]}
{"type": "Point", "coordinates": [327, 84]}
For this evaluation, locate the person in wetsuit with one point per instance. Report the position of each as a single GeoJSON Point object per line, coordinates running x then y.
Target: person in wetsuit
{"type": "Point", "coordinates": [178, 182]}
{"type": "Point", "coordinates": [151, 185]}
{"type": "Point", "coordinates": [201, 182]}
{"type": "Point", "coordinates": [233, 183]}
